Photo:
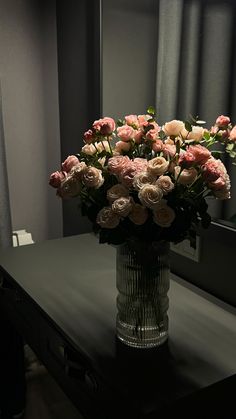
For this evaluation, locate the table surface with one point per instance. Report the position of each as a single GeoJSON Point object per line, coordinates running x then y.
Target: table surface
{"type": "Point", "coordinates": [72, 281]}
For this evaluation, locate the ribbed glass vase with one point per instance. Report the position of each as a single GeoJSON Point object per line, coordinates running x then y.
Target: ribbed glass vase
{"type": "Point", "coordinates": [142, 279]}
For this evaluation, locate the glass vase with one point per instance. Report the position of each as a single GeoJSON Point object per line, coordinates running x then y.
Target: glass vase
{"type": "Point", "coordinates": [142, 279]}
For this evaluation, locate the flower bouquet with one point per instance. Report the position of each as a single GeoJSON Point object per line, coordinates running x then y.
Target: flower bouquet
{"type": "Point", "coordinates": [144, 185]}
{"type": "Point", "coordinates": [137, 179]}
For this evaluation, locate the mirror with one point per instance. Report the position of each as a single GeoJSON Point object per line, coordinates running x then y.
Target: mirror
{"type": "Point", "coordinates": [177, 55]}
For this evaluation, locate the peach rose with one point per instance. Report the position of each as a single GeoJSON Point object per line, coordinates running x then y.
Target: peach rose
{"type": "Point", "coordinates": [131, 120]}
{"type": "Point", "coordinates": [92, 177]}
{"type": "Point", "coordinates": [106, 218]}
{"type": "Point", "coordinates": [186, 177]}
{"type": "Point", "coordinates": [143, 178]}
{"type": "Point", "coordinates": [122, 206]}
{"type": "Point", "coordinates": [164, 216]}
{"type": "Point", "coordinates": [89, 149]}
{"type": "Point", "coordinates": [165, 184]}
{"type": "Point", "coordinates": [174, 127]}
{"type": "Point", "coordinates": [122, 146]}
{"type": "Point", "coordinates": [117, 191]}
{"type": "Point", "coordinates": [232, 135]}
{"type": "Point", "coordinates": [69, 163]}
{"type": "Point", "coordinates": [126, 132]}
{"type": "Point", "coordinates": [150, 195]}
{"type": "Point", "coordinates": [157, 166]}
{"type": "Point", "coordinates": [196, 134]}
{"type": "Point", "coordinates": [56, 179]}
{"type": "Point", "coordinates": [138, 214]}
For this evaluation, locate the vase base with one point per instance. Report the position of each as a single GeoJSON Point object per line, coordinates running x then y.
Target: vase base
{"type": "Point", "coordinates": [148, 337]}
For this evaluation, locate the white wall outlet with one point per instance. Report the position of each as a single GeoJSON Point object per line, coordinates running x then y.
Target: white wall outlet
{"type": "Point", "coordinates": [184, 249]}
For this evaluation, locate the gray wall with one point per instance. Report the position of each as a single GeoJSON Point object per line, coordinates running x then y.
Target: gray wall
{"type": "Point", "coordinates": [28, 71]}
{"type": "Point", "coordinates": [129, 56]}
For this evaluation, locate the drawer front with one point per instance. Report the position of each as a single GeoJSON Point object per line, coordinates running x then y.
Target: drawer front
{"type": "Point", "coordinates": [21, 311]}
{"type": "Point", "coordinates": [73, 372]}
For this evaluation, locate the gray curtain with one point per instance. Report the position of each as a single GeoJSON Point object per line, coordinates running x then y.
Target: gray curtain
{"type": "Point", "coordinates": [196, 65]}
{"type": "Point", "coordinates": [5, 214]}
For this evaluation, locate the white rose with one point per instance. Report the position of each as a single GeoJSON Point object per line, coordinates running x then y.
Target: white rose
{"type": "Point", "coordinates": [173, 127]}
{"type": "Point", "coordinates": [165, 183]}
{"type": "Point", "coordinates": [122, 206]}
{"type": "Point", "coordinates": [142, 179]}
{"type": "Point", "coordinates": [150, 195]}
{"type": "Point", "coordinates": [69, 188]}
{"type": "Point", "coordinates": [117, 191]}
{"type": "Point", "coordinates": [89, 149]}
{"type": "Point", "coordinates": [163, 216]}
{"type": "Point", "coordinates": [92, 177]}
{"type": "Point", "coordinates": [78, 170]}
{"type": "Point", "coordinates": [106, 218]}
{"type": "Point", "coordinates": [139, 214]}
{"type": "Point", "coordinates": [157, 166]}
{"type": "Point", "coordinates": [102, 145]}
{"type": "Point", "coordinates": [186, 177]}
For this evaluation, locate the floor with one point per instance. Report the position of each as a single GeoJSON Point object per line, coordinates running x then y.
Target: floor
{"type": "Point", "coordinates": [45, 400]}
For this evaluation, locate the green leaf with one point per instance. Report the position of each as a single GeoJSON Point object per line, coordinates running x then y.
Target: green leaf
{"type": "Point", "coordinates": [162, 135]}
{"type": "Point", "coordinates": [188, 126]}
{"type": "Point", "coordinates": [206, 136]}
{"type": "Point", "coordinates": [151, 110]}
{"type": "Point", "coordinates": [119, 123]}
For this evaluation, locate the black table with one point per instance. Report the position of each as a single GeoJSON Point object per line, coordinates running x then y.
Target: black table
{"type": "Point", "coordinates": [61, 296]}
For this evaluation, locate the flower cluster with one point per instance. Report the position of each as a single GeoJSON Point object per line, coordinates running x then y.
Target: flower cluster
{"type": "Point", "coordinates": [138, 179]}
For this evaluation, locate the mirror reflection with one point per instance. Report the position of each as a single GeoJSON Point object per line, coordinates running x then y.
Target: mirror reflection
{"type": "Point", "coordinates": [177, 55]}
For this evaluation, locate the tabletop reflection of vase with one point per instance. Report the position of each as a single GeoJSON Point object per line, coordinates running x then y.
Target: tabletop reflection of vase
{"type": "Point", "coordinates": [142, 277]}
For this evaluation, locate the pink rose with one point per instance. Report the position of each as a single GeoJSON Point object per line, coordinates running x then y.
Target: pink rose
{"type": "Point", "coordinates": [143, 120]}
{"type": "Point", "coordinates": [157, 146]}
{"type": "Point", "coordinates": [222, 121]}
{"type": "Point", "coordinates": [104, 125]}
{"type": "Point", "coordinates": [169, 150]}
{"type": "Point", "coordinates": [232, 135]}
{"type": "Point", "coordinates": [195, 155]}
{"type": "Point", "coordinates": [138, 134]}
{"type": "Point", "coordinates": [213, 169]}
{"type": "Point", "coordinates": [152, 135]}
{"type": "Point", "coordinates": [69, 163]}
{"type": "Point", "coordinates": [131, 120]}
{"type": "Point", "coordinates": [117, 163]}
{"type": "Point", "coordinates": [56, 178]}
{"type": "Point", "coordinates": [88, 136]}
{"type": "Point", "coordinates": [127, 175]}
{"type": "Point", "coordinates": [140, 164]}
{"type": "Point", "coordinates": [126, 132]}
